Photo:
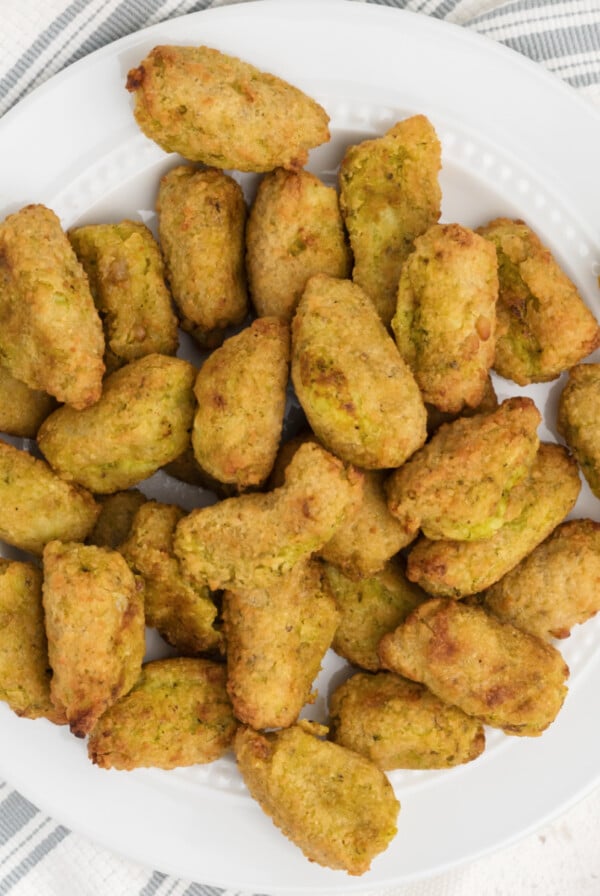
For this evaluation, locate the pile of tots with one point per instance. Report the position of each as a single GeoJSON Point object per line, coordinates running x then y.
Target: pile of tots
{"type": "Point", "coordinates": [414, 523]}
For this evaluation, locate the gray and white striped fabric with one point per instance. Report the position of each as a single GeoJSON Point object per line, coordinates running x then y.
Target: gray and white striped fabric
{"type": "Point", "coordinates": [38, 38]}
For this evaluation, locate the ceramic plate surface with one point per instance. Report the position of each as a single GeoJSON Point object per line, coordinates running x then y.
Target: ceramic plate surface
{"type": "Point", "coordinates": [516, 142]}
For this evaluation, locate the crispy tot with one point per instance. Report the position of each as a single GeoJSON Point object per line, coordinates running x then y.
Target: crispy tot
{"type": "Point", "coordinates": [95, 627]}
{"type": "Point", "coordinates": [294, 230]}
{"type": "Point", "coordinates": [489, 402]}
{"type": "Point", "coordinates": [578, 420]}
{"type": "Point", "coordinates": [389, 195]}
{"type": "Point", "coordinates": [276, 639]}
{"type": "Point", "coordinates": [543, 324]}
{"type": "Point", "coordinates": [214, 108]}
{"type": "Point", "coordinates": [241, 393]}
{"type": "Point", "coordinates": [201, 221]}
{"type": "Point", "coordinates": [397, 723]}
{"type": "Point", "coordinates": [458, 485]}
{"type": "Point", "coordinates": [37, 506]}
{"type": "Point", "coordinates": [127, 279]}
{"type": "Point", "coordinates": [117, 512]}
{"type": "Point", "coordinates": [24, 668]}
{"type": "Point", "coordinates": [368, 538]}
{"type": "Point", "coordinates": [445, 318]}
{"type": "Point", "coordinates": [490, 669]}
{"type": "Point", "coordinates": [336, 806]}
{"type": "Point", "coordinates": [363, 544]}
{"type": "Point", "coordinates": [368, 609]}
{"type": "Point", "coordinates": [250, 541]}
{"type": "Point", "coordinates": [555, 587]}
{"type": "Point", "coordinates": [183, 612]}
{"type": "Point", "coordinates": [186, 468]}
{"type": "Point", "coordinates": [22, 409]}
{"type": "Point", "coordinates": [176, 714]}
{"type": "Point", "coordinates": [359, 396]}
{"type": "Point", "coordinates": [50, 332]}
{"type": "Point", "coordinates": [142, 421]}
{"type": "Point", "coordinates": [539, 503]}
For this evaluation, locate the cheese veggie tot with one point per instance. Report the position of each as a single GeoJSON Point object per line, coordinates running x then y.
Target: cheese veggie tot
{"type": "Point", "coordinates": [459, 484]}
{"type": "Point", "coordinates": [95, 627]}
{"type": "Point", "coordinates": [397, 723]}
{"type": "Point", "coordinates": [294, 230]}
{"type": "Point", "coordinates": [335, 805]}
{"type": "Point", "coordinates": [578, 420]}
{"type": "Point", "coordinates": [201, 221]}
{"type": "Point", "coordinates": [368, 538]}
{"type": "Point", "coordinates": [183, 613]}
{"type": "Point", "coordinates": [50, 333]}
{"type": "Point", "coordinates": [556, 586]}
{"type": "Point", "coordinates": [37, 506]}
{"type": "Point", "coordinates": [250, 541]}
{"type": "Point", "coordinates": [117, 512]}
{"type": "Point", "coordinates": [445, 318]}
{"type": "Point", "coordinates": [24, 669]}
{"type": "Point", "coordinates": [491, 670]}
{"type": "Point", "coordinates": [538, 504]}
{"type": "Point", "coordinates": [142, 421]}
{"type": "Point", "coordinates": [359, 396]}
{"type": "Point", "coordinates": [127, 279]}
{"type": "Point", "coordinates": [362, 546]}
{"type": "Point", "coordinates": [176, 714]}
{"type": "Point", "coordinates": [214, 108]}
{"type": "Point", "coordinates": [544, 326]}
{"type": "Point", "coordinates": [389, 195]}
{"type": "Point", "coordinates": [369, 608]}
{"type": "Point", "coordinates": [22, 410]}
{"type": "Point", "coordinates": [240, 391]}
{"type": "Point", "coordinates": [276, 639]}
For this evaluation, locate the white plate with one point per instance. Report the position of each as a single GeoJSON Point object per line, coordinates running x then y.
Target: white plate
{"type": "Point", "coordinates": [516, 142]}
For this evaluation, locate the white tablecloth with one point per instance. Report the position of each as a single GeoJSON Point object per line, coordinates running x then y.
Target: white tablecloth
{"type": "Point", "coordinates": [39, 856]}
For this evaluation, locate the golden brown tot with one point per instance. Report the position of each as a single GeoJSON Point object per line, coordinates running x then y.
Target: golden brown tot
{"type": "Point", "coordinates": [389, 195]}
{"type": "Point", "coordinates": [183, 612]}
{"type": "Point", "coordinates": [579, 420]}
{"type": "Point", "coordinates": [555, 587]}
{"type": "Point", "coordinates": [214, 108]}
{"type": "Point", "coordinates": [50, 333]}
{"type": "Point", "coordinates": [276, 639]}
{"type": "Point", "coordinates": [24, 668]}
{"type": "Point", "coordinates": [127, 279]}
{"type": "Point", "coordinates": [22, 410]}
{"type": "Point", "coordinates": [37, 506]}
{"type": "Point", "coordinates": [294, 230]}
{"type": "Point", "coordinates": [201, 221]}
{"type": "Point", "coordinates": [141, 422]}
{"type": "Point", "coordinates": [117, 512]}
{"type": "Point", "coordinates": [250, 541]}
{"type": "Point", "coordinates": [536, 506]}
{"type": "Point", "coordinates": [368, 538]}
{"type": "Point", "coordinates": [369, 608]}
{"type": "Point", "coordinates": [459, 484]}
{"type": "Point", "coordinates": [336, 806]}
{"type": "Point", "coordinates": [445, 318]}
{"type": "Point", "coordinates": [397, 723]}
{"type": "Point", "coordinates": [241, 393]}
{"type": "Point", "coordinates": [176, 714]}
{"type": "Point", "coordinates": [95, 626]}
{"type": "Point", "coordinates": [543, 324]}
{"type": "Point", "coordinates": [490, 669]}
{"type": "Point", "coordinates": [358, 394]}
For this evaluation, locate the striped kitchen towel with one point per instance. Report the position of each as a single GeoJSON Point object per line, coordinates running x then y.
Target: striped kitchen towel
{"type": "Point", "coordinates": [40, 37]}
